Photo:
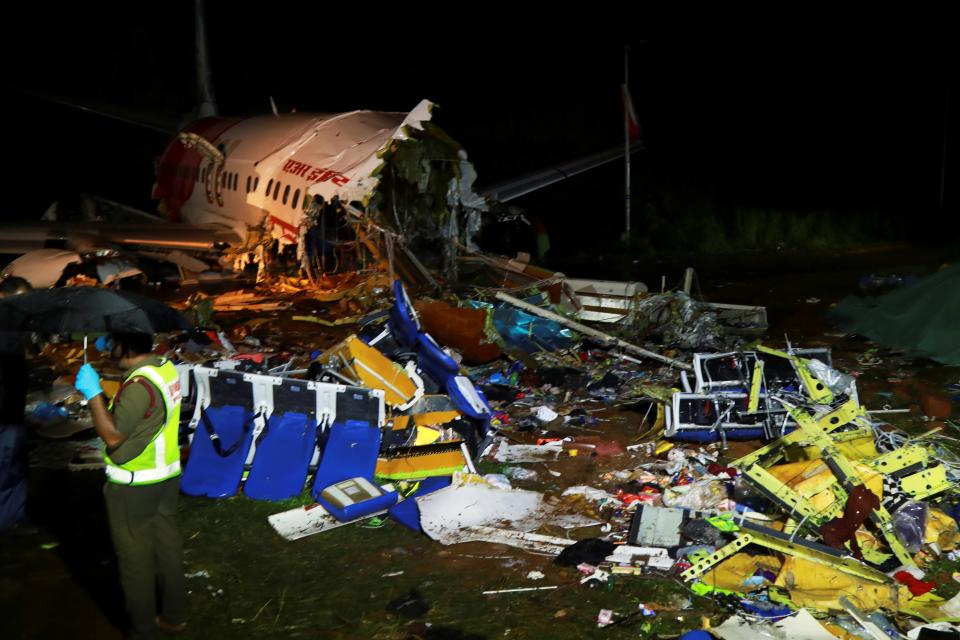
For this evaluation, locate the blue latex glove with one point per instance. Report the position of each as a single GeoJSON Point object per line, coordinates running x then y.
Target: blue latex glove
{"type": "Point", "coordinates": [88, 382]}
{"type": "Point", "coordinates": [104, 343]}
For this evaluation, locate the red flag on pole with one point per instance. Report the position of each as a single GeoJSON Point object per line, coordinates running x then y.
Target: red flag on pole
{"type": "Point", "coordinates": [633, 125]}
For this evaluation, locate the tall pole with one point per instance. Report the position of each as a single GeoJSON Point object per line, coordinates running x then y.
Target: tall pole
{"type": "Point", "coordinates": [626, 143]}
{"type": "Point", "coordinates": [943, 154]}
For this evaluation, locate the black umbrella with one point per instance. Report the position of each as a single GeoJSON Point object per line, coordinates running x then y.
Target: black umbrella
{"type": "Point", "coordinates": [87, 310]}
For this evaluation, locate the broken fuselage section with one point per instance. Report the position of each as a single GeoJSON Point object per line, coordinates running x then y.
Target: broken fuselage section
{"type": "Point", "coordinates": [350, 191]}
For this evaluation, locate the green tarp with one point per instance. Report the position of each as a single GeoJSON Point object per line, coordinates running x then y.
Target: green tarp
{"type": "Point", "coordinates": [923, 319]}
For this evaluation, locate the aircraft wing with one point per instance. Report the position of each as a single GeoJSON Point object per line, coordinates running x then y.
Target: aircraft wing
{"type": "Point", "coordinates": [516, 187]}
{"type": "Point", "coordinates": [86, 236]}
{"type": "Point", "coordinates": [153, 121]}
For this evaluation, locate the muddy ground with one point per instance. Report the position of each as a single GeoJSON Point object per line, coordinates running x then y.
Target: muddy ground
{"type": "Point", "coordinates": [387, 582]}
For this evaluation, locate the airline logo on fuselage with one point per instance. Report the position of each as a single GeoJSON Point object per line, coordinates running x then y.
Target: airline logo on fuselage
{"type": "Point", "coordinates": [314, 174]}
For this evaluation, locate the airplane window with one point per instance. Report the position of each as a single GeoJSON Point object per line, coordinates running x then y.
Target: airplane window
{"type": "Point", "coordinates": [276, 189]}
{"type": "Point", "coordinates": [256, 182]}
{"type": "Point", "coordinates": [269, 185]}
{"type": "Point", "coordinates": [236, 177]}
{"type": "Point", "coordinates": [248, 184]}
{"type": "Point", "coordinates": [286, 193]}
{"type": "Point", "coordinates": [296, 198]}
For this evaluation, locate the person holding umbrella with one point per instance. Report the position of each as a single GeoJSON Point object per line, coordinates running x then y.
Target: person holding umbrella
{"type": "Point", "coordinates": [13, 435]}
{"type": "Point", "coordinates": [140, 429]}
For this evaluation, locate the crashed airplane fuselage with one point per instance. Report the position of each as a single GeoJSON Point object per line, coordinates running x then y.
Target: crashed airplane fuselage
{"type": "Point", "coordinates": [243, 173]}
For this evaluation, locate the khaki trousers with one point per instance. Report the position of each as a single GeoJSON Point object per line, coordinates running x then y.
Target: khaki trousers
{"type": "Point", "coordinates": [149, 550]}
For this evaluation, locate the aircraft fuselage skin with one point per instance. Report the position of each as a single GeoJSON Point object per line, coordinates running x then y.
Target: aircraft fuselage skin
{"type": "Point", "coordinates": [271, 167]}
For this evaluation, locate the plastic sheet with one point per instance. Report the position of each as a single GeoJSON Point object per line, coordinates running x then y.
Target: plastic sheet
{"type": "Point", "coordinates": [678, 319]}
{"type": "Point", "coordinates": [837, 382]}
{"type": "Point", "coordinates": [700, 495]}
{"type": "Point", "coordinates": [527, 332]}
{"type": "Point", "coordinates": [909, 523]}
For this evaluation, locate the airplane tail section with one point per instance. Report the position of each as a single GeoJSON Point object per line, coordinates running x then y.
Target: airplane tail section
{"type": "Point", "coordinates": [516, 187]}
{"type": "Point", "coordinates": [207, 104]}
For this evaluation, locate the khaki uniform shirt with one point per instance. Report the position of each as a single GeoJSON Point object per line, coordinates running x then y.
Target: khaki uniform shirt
{"type": "Point", "coordinates": [138, 413]}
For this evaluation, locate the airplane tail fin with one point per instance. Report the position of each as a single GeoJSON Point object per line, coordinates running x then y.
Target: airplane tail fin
{"type": "Point", "coordinates": [207, 104]}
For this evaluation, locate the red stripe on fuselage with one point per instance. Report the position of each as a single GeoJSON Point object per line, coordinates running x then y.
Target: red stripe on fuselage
{"type": "Point", "coordinates": [179, 166]}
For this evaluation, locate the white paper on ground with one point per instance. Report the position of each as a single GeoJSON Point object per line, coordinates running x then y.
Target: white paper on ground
{"type": "Point", "coordinates": [513, 453]}
{"type": "Point", "coordinates": [445, 515]}
{"type": "Point", "coordinates": [800, 626]}
{"type": "Point", "coordinates": [544, 413]}
{"type": "Point", "coordinates": [455, 507]}
{"type": "Point", "coordinates": [306, 521]}
{"type": "Point", "coordinates": [625, 552]}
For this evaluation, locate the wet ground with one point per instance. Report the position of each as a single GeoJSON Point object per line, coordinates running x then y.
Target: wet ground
{"type": "Point", "coordinates": [387, 582]}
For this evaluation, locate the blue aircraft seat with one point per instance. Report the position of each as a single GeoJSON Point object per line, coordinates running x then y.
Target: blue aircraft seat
{"type": "Point", "coordinates": [344, 482]}
{"type": "Point", "coordinates": [403, 321]}
{"type": "Point", "coordinates": [222, 438]}
{"type": "Point", "coordinates": [286, 445]}
{"type": "Point", "coordinates": [434, 361]}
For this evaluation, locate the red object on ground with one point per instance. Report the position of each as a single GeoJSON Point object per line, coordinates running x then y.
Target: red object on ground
{"type": "Point", "coordinates": [860, 502]}
{"type": "Point", "coordinates": [717, 469]}
{"type": "Point", "coordinates": [936, 405]}
{"type": "Point", "coordinates": [629, 498]}
{"type": "Point", "coordinates": [252, 357]}
{"type": "Point", "coordinates": [917, 587]}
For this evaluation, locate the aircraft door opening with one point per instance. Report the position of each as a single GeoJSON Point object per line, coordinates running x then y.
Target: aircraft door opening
{"type": "Point", "coordinates": [214, 183]}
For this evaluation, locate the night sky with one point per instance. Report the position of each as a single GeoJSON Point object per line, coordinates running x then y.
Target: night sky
{"type": "Point", "coordinates": [799, 120]}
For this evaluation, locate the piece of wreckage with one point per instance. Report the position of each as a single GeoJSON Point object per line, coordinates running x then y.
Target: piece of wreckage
{"type": "Point", "coordinates": [354, 419]}
{"type": "Point", "coordinates": [395, 403]}
{"type": "Point", "coordinates": [345, 190]}
{"type": "Point", "coordinates": [102, 242]}
{"type": "Point", "coordinates": [395, 195]}
{"type": "Point", "coordinates": [837, 514]}
{"type": "Point", "coordinates": [838, 496]}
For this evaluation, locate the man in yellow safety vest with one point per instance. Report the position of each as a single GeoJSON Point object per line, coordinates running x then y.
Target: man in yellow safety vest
{"type": "Point", "coordinates": [140, 428]}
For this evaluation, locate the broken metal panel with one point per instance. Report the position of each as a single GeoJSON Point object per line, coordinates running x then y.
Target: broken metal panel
{"type": "Point", "coordinates": [740, 319]}
{"type": "Point", "coordinates": [42, 267]}
{"type": "Point", "coordinates": [603, 300]}
{"type": "Point", "coordinates": [109, 271]}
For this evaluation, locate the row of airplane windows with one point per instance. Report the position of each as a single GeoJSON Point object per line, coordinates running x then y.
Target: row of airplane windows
{"type": "Point", "coordinates": [230, 180]}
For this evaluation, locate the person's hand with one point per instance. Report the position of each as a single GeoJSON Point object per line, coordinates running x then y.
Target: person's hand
{"type": "Point", "coordinates": [88, 382]}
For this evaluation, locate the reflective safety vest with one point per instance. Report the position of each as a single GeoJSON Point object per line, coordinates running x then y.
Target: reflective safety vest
{"type": "Point", "coordinates": [160, 460]}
